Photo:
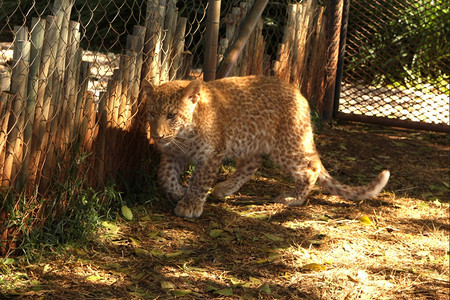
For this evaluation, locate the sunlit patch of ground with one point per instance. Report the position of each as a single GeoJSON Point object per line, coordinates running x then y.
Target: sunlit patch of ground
{"type": "Point", "coordinates": [395, 246]}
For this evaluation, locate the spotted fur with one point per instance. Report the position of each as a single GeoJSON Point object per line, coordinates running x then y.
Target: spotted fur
{"type": "Point", "coordinates": [240, 118]}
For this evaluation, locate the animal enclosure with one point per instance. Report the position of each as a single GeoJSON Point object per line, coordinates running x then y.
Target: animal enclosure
{"type": "Point", "coordinates": [70, 74]}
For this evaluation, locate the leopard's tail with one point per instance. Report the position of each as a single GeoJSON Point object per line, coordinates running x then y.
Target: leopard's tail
{"type": "Point", "coordinates": [367, 191]}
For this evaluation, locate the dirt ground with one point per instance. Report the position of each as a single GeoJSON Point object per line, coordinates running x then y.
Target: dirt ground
{"type": "Point", "coordinates": [395, 246]}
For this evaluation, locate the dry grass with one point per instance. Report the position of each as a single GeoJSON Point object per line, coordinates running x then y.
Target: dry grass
{"type": "Point", "coordinates": [247, 247]}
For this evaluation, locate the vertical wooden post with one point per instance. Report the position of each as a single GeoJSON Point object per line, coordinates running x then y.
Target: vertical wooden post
{"type": "Point", "coordinates": [333, 36]}
{"type": "Point", "coordinates": [37, 40]}
{"type": "Point", "coordinates": [212, 40]}
{"type": "Point", "coordinates": [41, 116]}
{"type": "Point", "coordinates": [340, 66]}
{"type": "Point", "coordinates": [19, 82]}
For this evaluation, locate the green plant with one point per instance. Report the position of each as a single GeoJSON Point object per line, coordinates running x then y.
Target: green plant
{"type": "Point", "coordinates": [401, 42]}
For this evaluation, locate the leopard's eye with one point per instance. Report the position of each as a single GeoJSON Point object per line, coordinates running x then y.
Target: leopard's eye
{"type": "Point", "coordinates": [151, 115]}
{"type": "Point", "coordinates": [171, 116]}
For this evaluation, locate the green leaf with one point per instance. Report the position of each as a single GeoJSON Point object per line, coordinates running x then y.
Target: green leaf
{"type": "Point", "coordinates": [141, 252]}
{"type": "Point", "coordinates": [126, 213]}
{"type": "Point", "coordinates": [254, 280]}
{"type": "Point", "coordinates": [93, 278]}
{"type": "Point", "coordinates": [235, 281]}
{"type": "Point", "coordinates": [7, 261]}
{"type": "Point", "coordinates": [111, 226]}
{"type": "Point", "coordinates": [265, 289]}
{"type": "Point", "coordinates": [210, 288]}
{"type": "Point", "coordinates": [181, 292]}
{"type": "Point", "coordinates": [167, 285]}
{"type": "Point", "coordinates": [153, 234]}
{"type": "Point", "coordinates": [214, 233]}
{"type": "Point", "coordinates": [135, 242]}
{"type": "Point", "coordinates": [224, 292]}
{"type": "Point", "coordinates": [273, 237]}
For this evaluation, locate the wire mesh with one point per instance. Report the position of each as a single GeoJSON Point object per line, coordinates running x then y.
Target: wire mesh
{"type": "Point", "coordinates": [396, 62]}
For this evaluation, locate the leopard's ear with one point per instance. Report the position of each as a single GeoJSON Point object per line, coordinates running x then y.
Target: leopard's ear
{"type": "Point", "coordinates": [147, 87]}
{"type": "Point", "coordinates": [192, 91]}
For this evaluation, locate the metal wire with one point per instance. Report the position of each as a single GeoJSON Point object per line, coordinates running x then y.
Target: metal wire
{"type": "Point", "coordinates": [396, 62]}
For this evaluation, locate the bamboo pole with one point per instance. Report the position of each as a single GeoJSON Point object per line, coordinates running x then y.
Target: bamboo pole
{"type": "Point", "coordinates": [112, 93]}
{"type": "Point", "coordinates": [6, 101]}
{"type": "Point", "coordinates": [19, 82]}
{"type": "Point", "coordinates": [178, 48]}
{"type": "Point", "coordinates": [256, 48]}
{"type": "Point", "coordinates": [139, 32]}
{"type": "Point", "coordinates": [62, 10]}
{"type": "Point", "coordinates": [37, 40]}
{"type": "Point", "coordinates": [88, 123]}
{"type": "Point", "coordinates": [66, 101]}
{"type": "Point", "coordinates": [41, 117]}
{"type": "Point", "coordinates": [315, 83]}
{"type": "Point", "coordinates": [71, 83]}
{"type": "Point", "coordinates": [101, 142]}
{"type": "Point", "coordinates": [245, 30]}
{"type": "Point", "coordinates": [124, 68]}
{"type": "Point", "coordinates": [170, 23]}
{"type": "Point", "coordinates": [286, 51]}
{"type": "Point", "coordinates": [154, 23]}
{"type": "Point", "coordinates": [241, 63]}
{"type": "Point", "coordinates": [83, 82]}
{"type": "Point", "coordinates": [340, 65]}
{"type": "Point", "coordinates": [77, 91]}
{"type": "Point", "coordinates": [211, 40]}
{"type": "Point", "coordinates": [334, 18]}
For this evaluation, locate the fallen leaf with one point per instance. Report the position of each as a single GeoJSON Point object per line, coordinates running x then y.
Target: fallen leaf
{"type": "Point", "coordinates": [111, 226]}
{"type": "Point", "coordinates": [135, 242]}
{"type": "Point", "coordinates": [365, 220]}
{"type": "Point", "coordinates": [153, 234]}
{"type": "Point", "coordinates": [210, 288]}
{"type": "Point", "coordinates": [93, 278]}
{"type": "Point", "coordinates": [224, 292]}
{"type": "Point", "coordinates": [126, 213]}
{"type": "Point", "coordinates": [181, 292]}
{"type": "Point", "coordinates": [254, 280]}
{"type": "Point", "coordinates": [265, 289]}
{"type": "Point", "coordinates": [214, 233]}
{"type": "Point", "coordinates": [235, 281]}
{"type": "Point", "coordinates": [273, 237]}
{"type": "Point", "coordinates": [167, 285]}
{"type": "Point", "coordinates": [314, 267]}
{"type": "Point", "coordinates": [141, 252]}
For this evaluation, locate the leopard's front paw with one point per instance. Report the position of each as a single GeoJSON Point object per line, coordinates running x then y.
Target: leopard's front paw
{"type": "Point", "coordinates": [189, 209]}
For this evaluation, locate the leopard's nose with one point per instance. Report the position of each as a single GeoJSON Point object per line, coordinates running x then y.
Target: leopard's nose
{"type": "Point", "coordinates": [157, 137]}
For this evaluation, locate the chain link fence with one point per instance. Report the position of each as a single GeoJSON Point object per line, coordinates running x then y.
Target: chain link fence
{"type": "Point", "coordinates": [396, 62]}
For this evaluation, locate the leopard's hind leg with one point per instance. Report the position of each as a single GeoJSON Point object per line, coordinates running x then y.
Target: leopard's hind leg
{"type": "Point", "coordinates": [305, 171]}
{"type": "Point", "coordinates": [245, 168]}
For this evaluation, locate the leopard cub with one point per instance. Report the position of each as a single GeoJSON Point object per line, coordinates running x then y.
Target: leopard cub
{"type": "Point", "coordinates": [241, 118]}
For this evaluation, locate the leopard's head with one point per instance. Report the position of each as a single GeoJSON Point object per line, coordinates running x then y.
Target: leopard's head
{"type": "Point", "coordinates": [170, 108]}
